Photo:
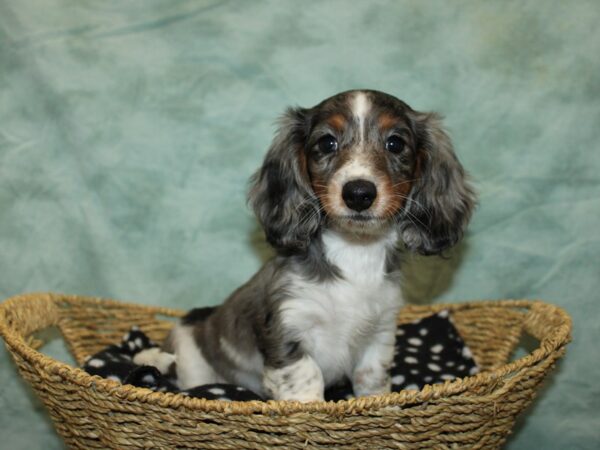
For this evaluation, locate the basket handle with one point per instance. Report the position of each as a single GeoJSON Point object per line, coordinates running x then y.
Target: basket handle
{"type": "Point", "coordinates": [23, 315]}
{"type": "Point", "coordinates": [549, 324]}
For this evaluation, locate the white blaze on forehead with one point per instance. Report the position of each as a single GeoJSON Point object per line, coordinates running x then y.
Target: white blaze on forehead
{"type": "Point", "coordinates": [360, 105]}
{"type": "Point", "coordinates": [360, 109]}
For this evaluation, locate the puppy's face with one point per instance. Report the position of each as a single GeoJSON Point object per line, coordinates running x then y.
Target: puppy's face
{"type": "Point", "coordinates": [361, 159]}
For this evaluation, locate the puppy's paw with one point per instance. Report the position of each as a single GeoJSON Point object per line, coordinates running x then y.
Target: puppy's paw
{"type": "Point", "coordinates": [369, 381]}
{"type": "Point", "coordinates": [301, 381]}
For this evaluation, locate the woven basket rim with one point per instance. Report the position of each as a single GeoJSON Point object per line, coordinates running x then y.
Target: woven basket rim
{"type": "Point", "coordinates": [557, 339]}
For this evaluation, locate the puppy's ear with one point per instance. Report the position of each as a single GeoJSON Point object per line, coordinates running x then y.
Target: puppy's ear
{"type": "Point", "coordinates": [441, 200]}
{"type": "Point", "coordinates": [280, 192]}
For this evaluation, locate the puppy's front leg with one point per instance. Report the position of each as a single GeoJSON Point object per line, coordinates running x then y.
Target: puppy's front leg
{"type": "Point", "coordinates": [300, 380]}
{"type": "Point", "coordinates": [371, 376]}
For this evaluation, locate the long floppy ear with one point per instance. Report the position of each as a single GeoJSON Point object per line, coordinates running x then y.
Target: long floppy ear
{"type": "Point", "coordinates": [441, 199]}
{"type": "Point", "coordinates": [281, 194]}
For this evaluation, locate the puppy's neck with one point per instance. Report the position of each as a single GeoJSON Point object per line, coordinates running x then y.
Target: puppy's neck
{"type": "Point", "coordinates": [359, 258]}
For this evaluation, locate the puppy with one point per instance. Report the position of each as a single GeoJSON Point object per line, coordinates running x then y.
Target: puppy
{"type": "Point", "coordinates": [344, 187]}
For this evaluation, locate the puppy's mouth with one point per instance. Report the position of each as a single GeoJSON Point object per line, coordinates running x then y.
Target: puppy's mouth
{"type": "Point", "coordinates": [360, 217]}
{"type": "Point", "coordinates": [361, 222]}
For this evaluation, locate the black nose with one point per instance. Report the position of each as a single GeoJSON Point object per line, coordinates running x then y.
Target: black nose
{"type": "Point", "coordinates": [359, 194]}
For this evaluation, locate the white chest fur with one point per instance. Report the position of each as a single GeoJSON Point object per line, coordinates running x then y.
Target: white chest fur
{"type": "Point", "coordinates": [336, 320]}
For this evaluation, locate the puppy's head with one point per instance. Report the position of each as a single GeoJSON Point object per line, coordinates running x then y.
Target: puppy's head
{"type": "Point", "coordinates": [361, 162]}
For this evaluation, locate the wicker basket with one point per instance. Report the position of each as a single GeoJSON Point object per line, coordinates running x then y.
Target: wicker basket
{"type": "Point", "coordinates": [92, 412]}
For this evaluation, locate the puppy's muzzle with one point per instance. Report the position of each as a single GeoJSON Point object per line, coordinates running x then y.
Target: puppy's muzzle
{"type": "Point", "coordinates": [359, 194]}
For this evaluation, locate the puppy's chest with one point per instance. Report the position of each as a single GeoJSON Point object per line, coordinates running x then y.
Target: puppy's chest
{"type": "Point", "coordinates": [343, 309]}
{"type": "Point", "coordinates": [336, 319]}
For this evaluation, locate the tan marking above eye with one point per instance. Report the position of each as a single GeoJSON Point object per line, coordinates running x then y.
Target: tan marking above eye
{"type": "Point", "coordinates": [386, 121]}
{"type": "Point", "coordinates": [337, 121]}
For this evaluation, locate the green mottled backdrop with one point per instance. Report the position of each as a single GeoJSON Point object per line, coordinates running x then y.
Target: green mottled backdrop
{"type": "Point", "coordinates": [128, 130]}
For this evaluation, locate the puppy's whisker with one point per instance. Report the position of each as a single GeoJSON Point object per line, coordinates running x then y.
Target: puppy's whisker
{"type": "Point", "coordinates": [412, 200]}
{"type": "Point", "coordinates": [389, 212]}
{"type": "Point", "coordinates": [411, 216]}
{"type": "Point", "coordinates": [305, 200]}
{"type": "Point", "coordinates": [314, 212]}
{"type": "Point", "coordinates": [405, 182]}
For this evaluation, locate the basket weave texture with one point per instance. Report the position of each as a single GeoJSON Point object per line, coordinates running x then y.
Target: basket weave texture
{"type": "Point", "coordinates": [91, 412]}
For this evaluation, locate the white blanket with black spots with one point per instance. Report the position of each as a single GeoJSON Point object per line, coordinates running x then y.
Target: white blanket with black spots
{"type": "Point", "coordinates": [428, 351]}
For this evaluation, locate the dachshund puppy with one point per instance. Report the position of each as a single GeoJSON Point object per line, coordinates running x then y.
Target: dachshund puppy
{"type": "Point", "coordinates": [345, 186]}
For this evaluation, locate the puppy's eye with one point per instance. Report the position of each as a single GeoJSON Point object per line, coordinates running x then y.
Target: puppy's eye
{"type": "Point", "coordinates": [394, 144]}
{"type": "Point", "coordinates": [327, 144]}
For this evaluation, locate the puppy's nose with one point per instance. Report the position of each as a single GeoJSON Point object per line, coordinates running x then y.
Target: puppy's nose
{"type": "Point", "coordinates": [359, 194]}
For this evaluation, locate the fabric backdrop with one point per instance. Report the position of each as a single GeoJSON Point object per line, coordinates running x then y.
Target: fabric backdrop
{"type": "Point", "coordinates": [128, 131]}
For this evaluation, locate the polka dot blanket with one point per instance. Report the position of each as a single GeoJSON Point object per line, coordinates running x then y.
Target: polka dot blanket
{"type": "Point", "coordinates": [427, 351]}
